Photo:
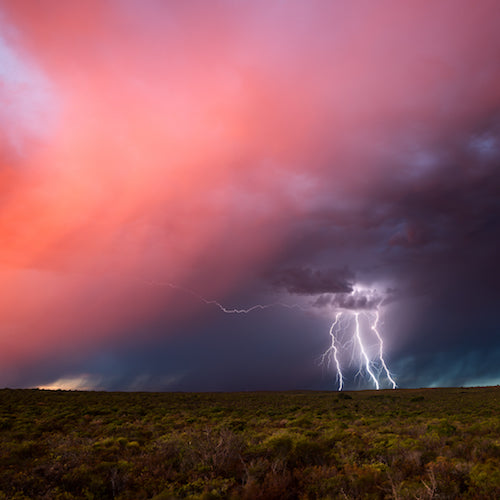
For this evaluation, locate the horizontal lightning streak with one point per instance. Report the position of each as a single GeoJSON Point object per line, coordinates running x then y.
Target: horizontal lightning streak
{"type": "Point", "coordinates": [224, 309]}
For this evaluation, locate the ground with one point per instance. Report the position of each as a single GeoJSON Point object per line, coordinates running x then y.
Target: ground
{"type": "Point", "coordinates": [426, 443]}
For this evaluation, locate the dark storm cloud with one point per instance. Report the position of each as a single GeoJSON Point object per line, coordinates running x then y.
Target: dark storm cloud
{"type": "Point", "coordinates": [433, 236]}
{"type": "Point", "coordinates": [447, 212]}
{"type": "Point", "coordinates": [307, 281]}
{"type": "Point", "coordinates": [357, 300]}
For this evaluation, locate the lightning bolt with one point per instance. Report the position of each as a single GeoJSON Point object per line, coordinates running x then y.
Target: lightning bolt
{"type": "Point", "coordinates": [332, 352]}
{"type": "Point", "coordinates": [224, 309]}
{"type": "Point", "coordinates": [374, 327]}
{"type": "Point", "coordinates": [331, 355]}
{"type": "Point", "coordinates": [363, 352]}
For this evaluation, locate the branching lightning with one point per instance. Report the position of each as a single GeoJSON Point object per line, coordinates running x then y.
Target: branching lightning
{"type": "Point", "coordinates": [345, 335]}
{"type": "Point", "coordinates": [363, 352]}
{"type": "Point", "coordinates": [347, 325]}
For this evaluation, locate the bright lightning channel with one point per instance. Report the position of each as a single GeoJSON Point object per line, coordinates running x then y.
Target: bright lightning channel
{"type": "Point", "coordinates": [332, 352]}
{"type": "Point", "coordinates": [363, 352]}
{"type": "Point", "coordinates": [338, 331]}
{"type": "Point", "coordinates": [331, 355]}
{"type": "Point", "coordinates": [374, 327]}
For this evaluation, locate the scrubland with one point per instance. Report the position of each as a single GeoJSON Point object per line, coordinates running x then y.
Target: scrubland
{"type": "Point", "coordinates": [428, 443]}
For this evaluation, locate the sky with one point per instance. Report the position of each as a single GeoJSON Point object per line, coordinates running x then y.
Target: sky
{"type": "Point", "coordinates": [165, 166]}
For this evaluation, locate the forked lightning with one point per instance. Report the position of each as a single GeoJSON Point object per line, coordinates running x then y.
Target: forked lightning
{"type": "Point", "coordinates": [352, 329]}
{"type": "Point", "coordinates": [346, 325]}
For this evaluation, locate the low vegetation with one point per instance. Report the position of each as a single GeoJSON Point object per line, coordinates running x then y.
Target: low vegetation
{"type": "Point", "coordinates": [432, 443]}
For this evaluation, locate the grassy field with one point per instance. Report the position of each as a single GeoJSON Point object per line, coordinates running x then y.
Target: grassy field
{"type": "Point", "coordinates": [429, 443]}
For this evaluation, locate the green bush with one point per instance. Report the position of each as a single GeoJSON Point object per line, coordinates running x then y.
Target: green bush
{"type": "Point", "coordinates": [307, 445]}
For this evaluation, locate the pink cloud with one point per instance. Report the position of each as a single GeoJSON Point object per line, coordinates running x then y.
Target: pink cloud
{"type": "Point", "coordinates": [184, 138]}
